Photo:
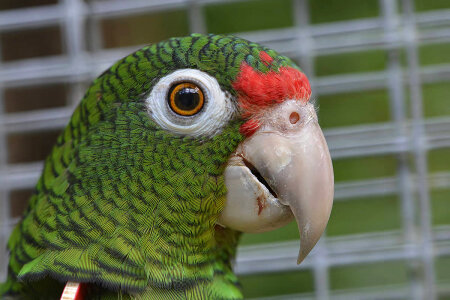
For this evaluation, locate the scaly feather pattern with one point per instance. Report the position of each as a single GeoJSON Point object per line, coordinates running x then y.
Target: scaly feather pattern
{"type": "Point", "coordinates": [128, 206]}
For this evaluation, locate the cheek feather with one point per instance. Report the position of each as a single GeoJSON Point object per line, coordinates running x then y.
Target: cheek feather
{"type": "Point", "coordinates": [258, 90]}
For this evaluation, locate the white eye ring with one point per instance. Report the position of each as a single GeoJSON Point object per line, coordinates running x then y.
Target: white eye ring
{"type": "Point", "coordinates": [217, 109]}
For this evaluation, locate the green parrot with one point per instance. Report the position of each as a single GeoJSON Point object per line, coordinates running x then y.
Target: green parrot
{"type": "Point", "coordinates": [171, 154]}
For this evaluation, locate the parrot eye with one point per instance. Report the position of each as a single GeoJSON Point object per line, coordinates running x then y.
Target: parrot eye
{"type": "Point", "coordinates": [186, 98]}
{"type": "Point", "coordinates": [190, 102]}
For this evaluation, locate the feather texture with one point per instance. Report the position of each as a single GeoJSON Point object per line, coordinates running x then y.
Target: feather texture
{"type": "Point", "coordinates": [128, 206]}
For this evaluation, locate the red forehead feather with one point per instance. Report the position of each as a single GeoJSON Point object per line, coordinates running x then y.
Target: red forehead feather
{"type": "Point", "coordinates": [265, 58]}
{"type": "Point", "coordinates": [258, 90]}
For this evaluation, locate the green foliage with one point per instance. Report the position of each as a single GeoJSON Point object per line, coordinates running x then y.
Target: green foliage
{"type": "Point", "coordinates": [425, 5]}
{"type": "Point", "coordinates": [434, 54]}
{"type": "Point", "coordinates": [440, 206]}
{"type": "Point", "coordinates": [289, 232]}
{"type": "Point", "coordinates": [442, 266]}
{"type": "Point", "coordinates": [438, 160]}
{"type": "Point", "coordinates": [371, 214]}
{"type": "Point", "coordinates": [384, 273]}
{"type": "Point", "coordinates": [277, 283]}
{"type": "Point", "coordinates": [335, 10]}
{"type": "Point", "coordinates": [436, 99]}
{"type": "Point", "coordinates": [354, 108]}
{"type": "Point", "coordinates": [361, 168]}
{"type": "Point", "coordinates": [367, 61]}
{"type": "Point", "coordinates": [248, 15]}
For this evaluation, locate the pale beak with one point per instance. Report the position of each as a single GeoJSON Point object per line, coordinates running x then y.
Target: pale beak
{"type": "Point", "coordinates": [282, 171]}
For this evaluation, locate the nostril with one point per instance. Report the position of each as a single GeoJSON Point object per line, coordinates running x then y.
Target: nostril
{"type": "Point", "coordinates": [294, 117]}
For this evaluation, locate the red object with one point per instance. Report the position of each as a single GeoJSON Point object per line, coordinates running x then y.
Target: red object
{"type": "Point", "coordinates": [73, 291]}
{"type": "Point", "coordinates": [249, 127]}
{"type": "Point", "coordinates": [258, 91]}
{"type": "Point", "coordinates": [265, 58]}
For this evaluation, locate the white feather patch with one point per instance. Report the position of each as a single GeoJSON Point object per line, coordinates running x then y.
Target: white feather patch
{"type": "Point", "coordinates": [216, 112]}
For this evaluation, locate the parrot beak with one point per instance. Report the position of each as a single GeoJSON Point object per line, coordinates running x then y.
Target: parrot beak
{"type": "Point", "coordinates": [282, 171]}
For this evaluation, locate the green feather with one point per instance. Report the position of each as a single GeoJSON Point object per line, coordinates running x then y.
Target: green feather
{"type": "Point", "coordinates": [126, 205]}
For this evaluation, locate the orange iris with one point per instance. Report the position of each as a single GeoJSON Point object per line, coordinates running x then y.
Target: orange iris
{"type": "Point", "coordinates": [186, 98]}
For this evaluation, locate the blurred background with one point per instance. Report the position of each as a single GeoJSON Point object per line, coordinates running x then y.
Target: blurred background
{"type": "Point", "coordinates": [380, 71]}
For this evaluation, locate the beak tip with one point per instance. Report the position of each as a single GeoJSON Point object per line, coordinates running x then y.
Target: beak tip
{"type": "Point", "coordinates": [301, 256]}
{"type": "Point", "coordinates": [306, 245]}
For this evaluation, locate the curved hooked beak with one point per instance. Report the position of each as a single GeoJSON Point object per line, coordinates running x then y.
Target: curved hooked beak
{"type": "Point", "coordinates": [282, 171]}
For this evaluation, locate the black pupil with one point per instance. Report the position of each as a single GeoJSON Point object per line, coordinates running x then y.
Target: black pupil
{"type": "Point", "coordinates": [187, 98]}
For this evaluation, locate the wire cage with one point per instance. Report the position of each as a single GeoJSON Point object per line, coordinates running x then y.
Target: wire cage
{"type": "Point", "coordinates": [389, 233]}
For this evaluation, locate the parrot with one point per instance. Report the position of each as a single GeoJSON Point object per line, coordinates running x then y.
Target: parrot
{"type": "Point", "coordinates": [173, 153]}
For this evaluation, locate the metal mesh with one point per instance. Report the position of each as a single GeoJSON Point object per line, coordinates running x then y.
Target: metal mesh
{"type": "Point", "coordinates": [398, 30]}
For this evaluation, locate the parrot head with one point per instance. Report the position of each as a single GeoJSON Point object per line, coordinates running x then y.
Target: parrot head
{"type": "Point", "coordinates": [173, 151]}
